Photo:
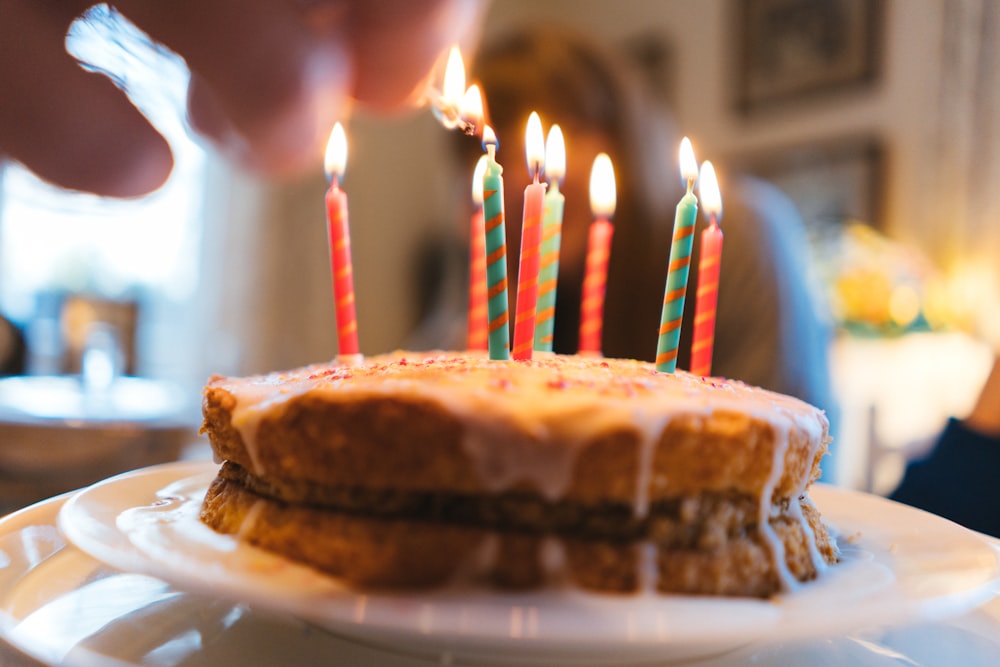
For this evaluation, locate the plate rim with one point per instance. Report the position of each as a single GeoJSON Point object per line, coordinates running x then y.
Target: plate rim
{"type": "Point", "coordinates": [942, 607]}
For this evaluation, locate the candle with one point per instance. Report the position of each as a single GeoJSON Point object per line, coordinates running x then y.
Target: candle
{"type": "Point", "coordinates": [445, 105]}
{"type": "Point", "coordinates": [338, 234]}
{"type": "Point", "coordinates": [603, 199]}
{"type": "Point", "coordinates": [680, 261]}
{"type": "Point", "coordinates": [707, 293]}
{"type": "Point", "coordinates": [548, 273]}
{"type": "Point", "coordinates": [531, 243]}
{"type": "Point", "coordinates": [478, 336]}
{"type": "Point", "coordinates": [496, 250]}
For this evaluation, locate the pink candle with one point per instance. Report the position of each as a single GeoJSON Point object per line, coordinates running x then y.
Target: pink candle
{"type": "Point", "coordinates": [531, 244]}
{"type": "Point", "coordinates": [708, 274]}
{"type": "Point", "coordinates": [602, 202]}
{"type": "Point", "coordinates": [339, 236]}
{"type": "Point", "coordinates": [478, 336]}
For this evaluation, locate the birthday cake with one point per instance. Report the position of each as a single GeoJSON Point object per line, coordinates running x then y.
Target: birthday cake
{"type": "Point", "coordinates": [432, 469]}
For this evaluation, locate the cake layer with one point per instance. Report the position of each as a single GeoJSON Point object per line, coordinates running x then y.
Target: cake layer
{"type": "Point", "coordinates": [718, 550]}
{"type": "Point", "coordinates": [704, 521]}
{"type": "Point", "coordinates": [589, 429]}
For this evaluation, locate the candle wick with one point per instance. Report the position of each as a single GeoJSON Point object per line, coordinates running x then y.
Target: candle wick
{"type": "Point", "coordinates": [449, 110]}
{"type": "Point", "coordinates": [690, 185]}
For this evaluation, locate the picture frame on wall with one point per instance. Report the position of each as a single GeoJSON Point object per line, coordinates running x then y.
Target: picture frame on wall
{"type": "Point", "coordinates": [796, 49]}
{"type": "Point", "coordinates": [832, 182]}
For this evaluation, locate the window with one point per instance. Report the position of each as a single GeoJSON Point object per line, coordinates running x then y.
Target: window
{"type": "Point", "coordinates": [58, 247]}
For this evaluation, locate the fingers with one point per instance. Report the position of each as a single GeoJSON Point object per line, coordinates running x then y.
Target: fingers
{"type": "Point", "coordinates": [68, 126]}
{"type": "Point", "coordinates": [265, 86]}
{"type": "Point", "coordinates": [396, 42]}
{"type": "Point", "coordinates": [269, 78]}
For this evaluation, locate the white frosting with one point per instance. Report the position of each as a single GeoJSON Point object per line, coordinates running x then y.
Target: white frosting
{"type": "Point", "coordinates": [817, 558]}
{"type": "Point", "coordinates": [250, 519]}
{"type": "Point", "coordinates": [553, 558]}
{"type": "Point", "coordinates": [649, 572]}
{"type": "Point", "coordinates": [776, 546]}
{"type": "Point", "coordinates": [574, 398]}
{"type": "Point", "coordinates": [513, 411]}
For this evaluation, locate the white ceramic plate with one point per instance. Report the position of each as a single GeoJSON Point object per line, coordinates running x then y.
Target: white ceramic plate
{"type": "Point", "coordinates": [899, 566]}
{"type": "Point", "coordinates": [64, 608]}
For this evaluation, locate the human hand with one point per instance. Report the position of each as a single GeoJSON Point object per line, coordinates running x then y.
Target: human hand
{"type": "Point", "coordinates": [269, 78]}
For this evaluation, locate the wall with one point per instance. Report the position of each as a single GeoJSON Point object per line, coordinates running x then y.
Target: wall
{"type": "Point", "coordinates": [906, 110]}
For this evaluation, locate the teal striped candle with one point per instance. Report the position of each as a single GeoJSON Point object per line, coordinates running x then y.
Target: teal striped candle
{"type": "Point", "coordinates": [496, 251]}
{"type": "Point", "coordinates": [555, 170]}
{"type": "Point", "coordinates": [680, 262]}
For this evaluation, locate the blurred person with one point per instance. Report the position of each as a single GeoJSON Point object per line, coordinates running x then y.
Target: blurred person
{"type": "Point", "coordinates": [768, 333]}
{"type": "Point", "coordinates": [268, 80]}
{"type": "Point", "coordinates": [958, 478]}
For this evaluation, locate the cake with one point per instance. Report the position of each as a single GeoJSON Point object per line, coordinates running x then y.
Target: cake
{"type": "Point", "coordinates": [415, 470]}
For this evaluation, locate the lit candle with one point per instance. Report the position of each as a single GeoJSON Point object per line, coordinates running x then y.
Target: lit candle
{"type": "Point", "coordinates": [339, 236]}
{"type": "Point", "coordinates": [478, 336]}
{"type": "Point", "coordinates": [603, 198]}
{"type": "Point", "coordinates": [548, 273]}
{"type": "Point", "coordinates": [496, 250]}
{"type": "Point", "coordinates": [471, 110]}
{"type": "Point", "coordinates": [531, 243]}
{"type": "Point", "coordinates": [445, 104]}
{"type": "Point", "coordinates": [707, 293]}
{"type": "Point", "coordinates": [680, 261]}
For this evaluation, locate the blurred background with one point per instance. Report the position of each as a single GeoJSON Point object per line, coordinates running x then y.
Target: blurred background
{"type": "Point", "coordinates": [879, 118]}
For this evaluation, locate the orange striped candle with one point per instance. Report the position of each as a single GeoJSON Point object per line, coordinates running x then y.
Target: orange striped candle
{"type": "Point", "coordinates": [548, 273]}
{"type": "Point", "coordinates": [339, 236]}
{"type": "Point", "coordinates": [531, 243]}
{"type": "Point", "coordinates": [496, 251]}
{"type": "Point", "coordinates": [708, 273]}
{"type": "Point", "coordinates": [603, 199]}
{"type": "Point", "coordinates": [478, 332]}
{"type": "Point", "coordinates": [680, 262]}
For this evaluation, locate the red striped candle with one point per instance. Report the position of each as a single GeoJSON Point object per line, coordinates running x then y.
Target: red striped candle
{"type": "Point", "coordinates": [478, 332]}
{"type": "Point", "coordinates": [531, 243]}
{"type": "Point", "coordinates": [708, 273]}
{"type": "Point", "coordinates": [603, 198]}
{"type": "Point", "coordinates": [339, 236]}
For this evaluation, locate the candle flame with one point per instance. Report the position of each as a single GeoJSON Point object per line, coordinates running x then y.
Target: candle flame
{"type": "Point", "coordinates": [555, 155]}
{"type": "Point", "coordinates": [708, 191]}
{"type": "Point", "coordinates": [477, 181]}
{"type": "Point", "coordinates": [335, 161]}
{"type": "Point", "coordinates": [489, 138]}
{"type": "Point", "coordinates": [689, 165]}
{"type": "Point", "coordinates": [454, 75]}
{"type": "Point", "coordinates": [534, 143]}
{"type": "Point", "coordinates": [471, 108]}
{"type": "Point", "coordinates": [603, 196]}
{"type": "Point", "coordinates": [453, 87]}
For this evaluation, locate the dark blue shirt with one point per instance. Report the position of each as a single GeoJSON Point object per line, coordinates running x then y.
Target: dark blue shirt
{"type": "Point", "coordinates": [959, 480]}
